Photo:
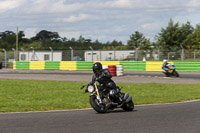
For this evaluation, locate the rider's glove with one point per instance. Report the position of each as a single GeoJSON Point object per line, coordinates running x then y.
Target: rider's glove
{"type": "Point", "coordinates": [88, 85]}
{"type": "Point", "coordinates": [86, 90]}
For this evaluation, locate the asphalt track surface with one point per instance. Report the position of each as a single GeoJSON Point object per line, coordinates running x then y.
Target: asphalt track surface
{"type": "Point", "coordinates": [164, 118]}
{"type": "Point", "coordinates": [161, 118]}
{"type": "Point", "coordinates": [85, 76]}
{"type": "Point", "coordinates": [193, 75]}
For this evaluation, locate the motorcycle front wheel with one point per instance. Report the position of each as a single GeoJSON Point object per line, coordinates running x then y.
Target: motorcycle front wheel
{"type": "Point", "coordinates": [129, 106]}
{"type": "Point", "coordinates": [100, 108]}
{"type": "Point", "coordinates": [167, 74]}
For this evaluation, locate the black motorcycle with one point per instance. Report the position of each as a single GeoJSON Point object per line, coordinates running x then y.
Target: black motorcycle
{"type": "Point", "coordinates": [171, 71]}
{"type": "Point", "coordinates": [103, 99]}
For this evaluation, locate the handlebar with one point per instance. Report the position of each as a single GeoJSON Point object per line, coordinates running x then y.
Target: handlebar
{"type": "Point", "coordinates": [83, 87]}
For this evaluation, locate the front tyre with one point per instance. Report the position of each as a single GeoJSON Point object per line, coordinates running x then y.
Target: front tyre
{"type": "Point", "coordinates": [100, 108]}
{"type": "Point", "coordinates": [167, 74]}
{"type": "Point", "coordinates": [129, 106]}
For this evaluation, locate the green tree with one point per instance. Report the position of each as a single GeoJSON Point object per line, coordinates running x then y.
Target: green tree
{"type": "Point", "coordinates": [138, 40]}
{"type": "Point", "coordinates": [171, 37]}
{"type": "Point", "coordinates": [44, 35]}
{"type": "Point", "coordinates": [37, 45]}
{"type": "Point", "coordinates": [81, 39]}
{"type": "Point", "coordinates": [9, 38]}
{"type": "Point", "coordinates": [115, 43]}
{"type": "Point", "coordinates": [185, 30]}
{"type": "Point", "coordinates": [193, 40]}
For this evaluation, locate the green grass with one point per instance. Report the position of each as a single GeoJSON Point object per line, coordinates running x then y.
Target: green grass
{"type": "Point", "coordinates": [32, 95]}
{"type": "Point", "coordinates": [151, 93]}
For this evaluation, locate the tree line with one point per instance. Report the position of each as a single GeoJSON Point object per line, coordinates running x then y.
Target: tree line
{"type": "Point", "coordinates": [173, 37]}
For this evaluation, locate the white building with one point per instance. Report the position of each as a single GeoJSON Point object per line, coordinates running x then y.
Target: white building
{"type": "Point", "coordinates": [40, 56]}
{"type": "Point", "coordinates": [107, 55]}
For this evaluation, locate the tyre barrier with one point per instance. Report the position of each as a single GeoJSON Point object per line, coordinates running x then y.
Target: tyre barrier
{"type": "Point", "coordinates": [112, 69]}
{"type": "Point", "coordinates": [119, 70]}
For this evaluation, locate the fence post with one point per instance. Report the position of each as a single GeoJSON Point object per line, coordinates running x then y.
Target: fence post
{"type": "Point", "coordinates": [182, 53]}
{"type": "Point", "coordinates": [33, 53]}
{"type": "Point", "coordinates": [5, 57]}
{"type": "Point", "coordinates": [100, 55]}
{"type": "Point", "coordinates": [72, 53]}
{"type": "Point", "coordinates": [158, 53]}
{"type": "Point", "coordinates": [168, 56]}
{"type": "Point", "coordinates": [136, 53]}
{"type": "Point", "coordinates": [92, 52]}
{"type": "Point", "coordinates": [51, 53]}
{"type": "Point", "coordinates": [23, 55]}
{"type": "Point", "coordinates": [194, 55]}
{"type": "Point", "coordinates": [14, 54]}
{"type": "Point", "coordinates": [114, 53]}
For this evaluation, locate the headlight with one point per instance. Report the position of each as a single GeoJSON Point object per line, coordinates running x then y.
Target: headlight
{"type": "Point", "coordinates": [90, 88]}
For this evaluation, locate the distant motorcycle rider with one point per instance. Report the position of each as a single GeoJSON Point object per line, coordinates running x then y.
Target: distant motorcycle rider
{"type": "Point", "coordinates": [165, 66]}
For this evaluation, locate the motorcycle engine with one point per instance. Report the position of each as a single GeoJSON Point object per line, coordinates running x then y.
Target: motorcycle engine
{"type": "Point", "coordinates": [107, 102]}
{"type": "Point", "coordinates": [112, 93]}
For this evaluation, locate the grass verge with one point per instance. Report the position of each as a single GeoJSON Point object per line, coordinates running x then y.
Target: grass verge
{"type": "Point", "coordinates": [33, 95]}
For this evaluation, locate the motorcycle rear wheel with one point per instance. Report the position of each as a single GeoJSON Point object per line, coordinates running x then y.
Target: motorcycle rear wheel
{"type": "Point", "coordinates": [95, 105]}
{"type": "Point", "coordinates": [128, 106]}
{"type": "Point", "coordinates": [176, 74]}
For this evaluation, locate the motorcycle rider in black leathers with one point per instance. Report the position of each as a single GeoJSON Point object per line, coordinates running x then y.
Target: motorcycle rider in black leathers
{"type": "Point", "coordinates": [103, 76]}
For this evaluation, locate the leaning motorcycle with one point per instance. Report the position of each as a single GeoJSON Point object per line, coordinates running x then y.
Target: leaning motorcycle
{"type": "Point", "coordinates": [103, 99]}
{"type": "Point", "coordinates": [171, 71]}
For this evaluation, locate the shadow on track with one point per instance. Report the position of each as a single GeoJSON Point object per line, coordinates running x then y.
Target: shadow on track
{"type": "Point", "coordinates": [117, 111]}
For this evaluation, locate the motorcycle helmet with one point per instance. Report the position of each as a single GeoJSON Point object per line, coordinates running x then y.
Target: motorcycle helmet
{"type": "Point", "coordinates": [97, 67]}
{"type": "Point", "coordinates": [165, 61]}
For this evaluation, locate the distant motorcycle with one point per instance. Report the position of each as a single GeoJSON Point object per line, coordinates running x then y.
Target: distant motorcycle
{"type": "Point", "coordinates": [171, 71]}
{"type": "Point", "coordinates": [103, 99]}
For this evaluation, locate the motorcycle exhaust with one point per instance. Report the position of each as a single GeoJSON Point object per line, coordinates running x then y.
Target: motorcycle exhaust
{"type": "Point", "coordinates": [126, 96]}
{"type": "Point", "coordinates": [128, 99]}
{"type": "Point", "coordinates": [115, 104]}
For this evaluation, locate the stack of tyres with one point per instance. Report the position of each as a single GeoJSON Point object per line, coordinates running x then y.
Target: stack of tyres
{"type": "Point", "coordinates": [112, 69]}
{"type": "Point", "coordinates": [119, 70]}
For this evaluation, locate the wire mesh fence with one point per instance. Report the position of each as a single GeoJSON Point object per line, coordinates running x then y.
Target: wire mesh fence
{"type": "Point", "coordinates": [7, 57]}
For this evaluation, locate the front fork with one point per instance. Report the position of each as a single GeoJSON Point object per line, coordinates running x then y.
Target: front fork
{"type": "Point", "coordinates": [97, 90]}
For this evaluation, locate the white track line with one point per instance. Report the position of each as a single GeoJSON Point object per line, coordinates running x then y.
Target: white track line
{"type": "Point", "coordinates": [51, 111]}
{"type": "Point", "coordinates": [190, 101]}
{"type": "Point", "coordinates": [46, 111]}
